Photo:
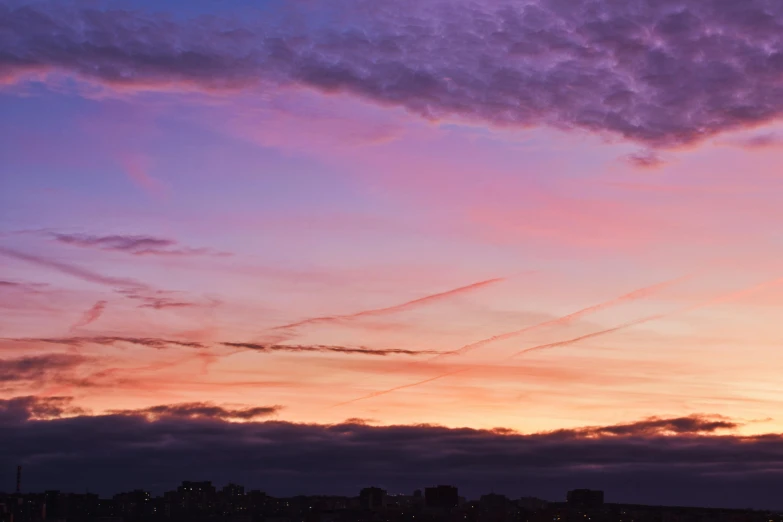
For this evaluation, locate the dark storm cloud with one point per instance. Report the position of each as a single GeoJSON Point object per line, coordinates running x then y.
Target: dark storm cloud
{"type": "Point", "coordinates": [37, 367]}
{"type": "Point", "coordinates": [660, 72]}
{"type": "Point", "coordinates": [327, 349]}
{"type": "Point", "coordinates": [203, 410]}
{"type": "Point", "coordinates": [670, 461]}
{"type": "Point", "coordinates": [132, 244]}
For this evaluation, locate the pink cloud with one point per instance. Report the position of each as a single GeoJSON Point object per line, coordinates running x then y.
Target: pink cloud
{"type": "Point", "coordinates": [137, 167]}
{"type": "Point", "coordinates": [91, 315]}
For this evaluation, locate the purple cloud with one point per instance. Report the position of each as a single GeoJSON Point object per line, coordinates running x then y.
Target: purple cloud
{"type": "Point", "coordinates": [655, 426]}
{"type": "Point", "coordinates": [133, 244]}
{"type": "Point", "coordinates": [647, 159]}
{"type": "Point", "coordinates": [660, 72]}
{"type": "Point", "coordinates": [761, 141]}
{"type": "Point", "coordinates": [20, 409]}
{"type": "Point", "coordinates": [203, 410]}
{"type": "Point", "coordinates": [37, 367]}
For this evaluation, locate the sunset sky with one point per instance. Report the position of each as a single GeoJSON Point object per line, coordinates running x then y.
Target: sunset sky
{"type": "Point", "coordinates": [538, 216]}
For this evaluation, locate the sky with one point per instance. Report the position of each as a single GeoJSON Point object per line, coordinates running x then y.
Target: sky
{"type": "Point", "coordinates": [519, 246]}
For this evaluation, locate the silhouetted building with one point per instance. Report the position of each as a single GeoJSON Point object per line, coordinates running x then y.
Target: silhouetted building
{"type": "Point", "coordinates": [441, 497]}
{"type": "Point", "coordinates": [532, 503]}
{"type": "Point", "coordinates": [585, 498]}
{"type": "Point", "coordinates": [200, 502]}
{"type": "Point", "coordinates": [372, 498]}
{"type": "Point", "coordinates": [133, 505]}
{"type": "Point", "coordinates": [257, 500]}
{"type": "Point", "coordinates": [233, 503]}
{"type": "Point", "coordinates": [495, 508]}
{"type": "Point", "coordinates": [196, 488]}
{"type": "Point", "coordinates": [189, 499]}
{"type": "Point", "coordinates": [24, 508]}
{"type": "Point", "coordinates": [233, 490]}
{"type": "Point", "coordinates": [493, 501]}
{"type": "Point", "coordinates": [70, 506]}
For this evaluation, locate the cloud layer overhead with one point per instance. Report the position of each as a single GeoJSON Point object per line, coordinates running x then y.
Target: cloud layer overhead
{"type": "Point", "coordinates": [660, 73]}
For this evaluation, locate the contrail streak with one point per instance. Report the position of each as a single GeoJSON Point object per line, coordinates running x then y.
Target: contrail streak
{"type": "Point", "coordinates": [599, 333]}
{"type": "Point", "coordinates": [711, 302]}
{"type": "Point", "coordinates": [717, 300]}
{"type": "Point", "coordinates": [392, 309]}
{"type": "Point", "coordinates": [631, 296]}
{"type": "Point", "coordinates": [402, 387]}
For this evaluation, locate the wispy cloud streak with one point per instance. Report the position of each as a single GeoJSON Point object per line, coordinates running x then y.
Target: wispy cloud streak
{"type": "Point", "coordinates": [326, 349]}
{"type": "Point", "coordinates": [72, 270]}
{"type": "Point", "coordinates": [150, 342]}
{"type": "Point", "coordinates": [137, 245]}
